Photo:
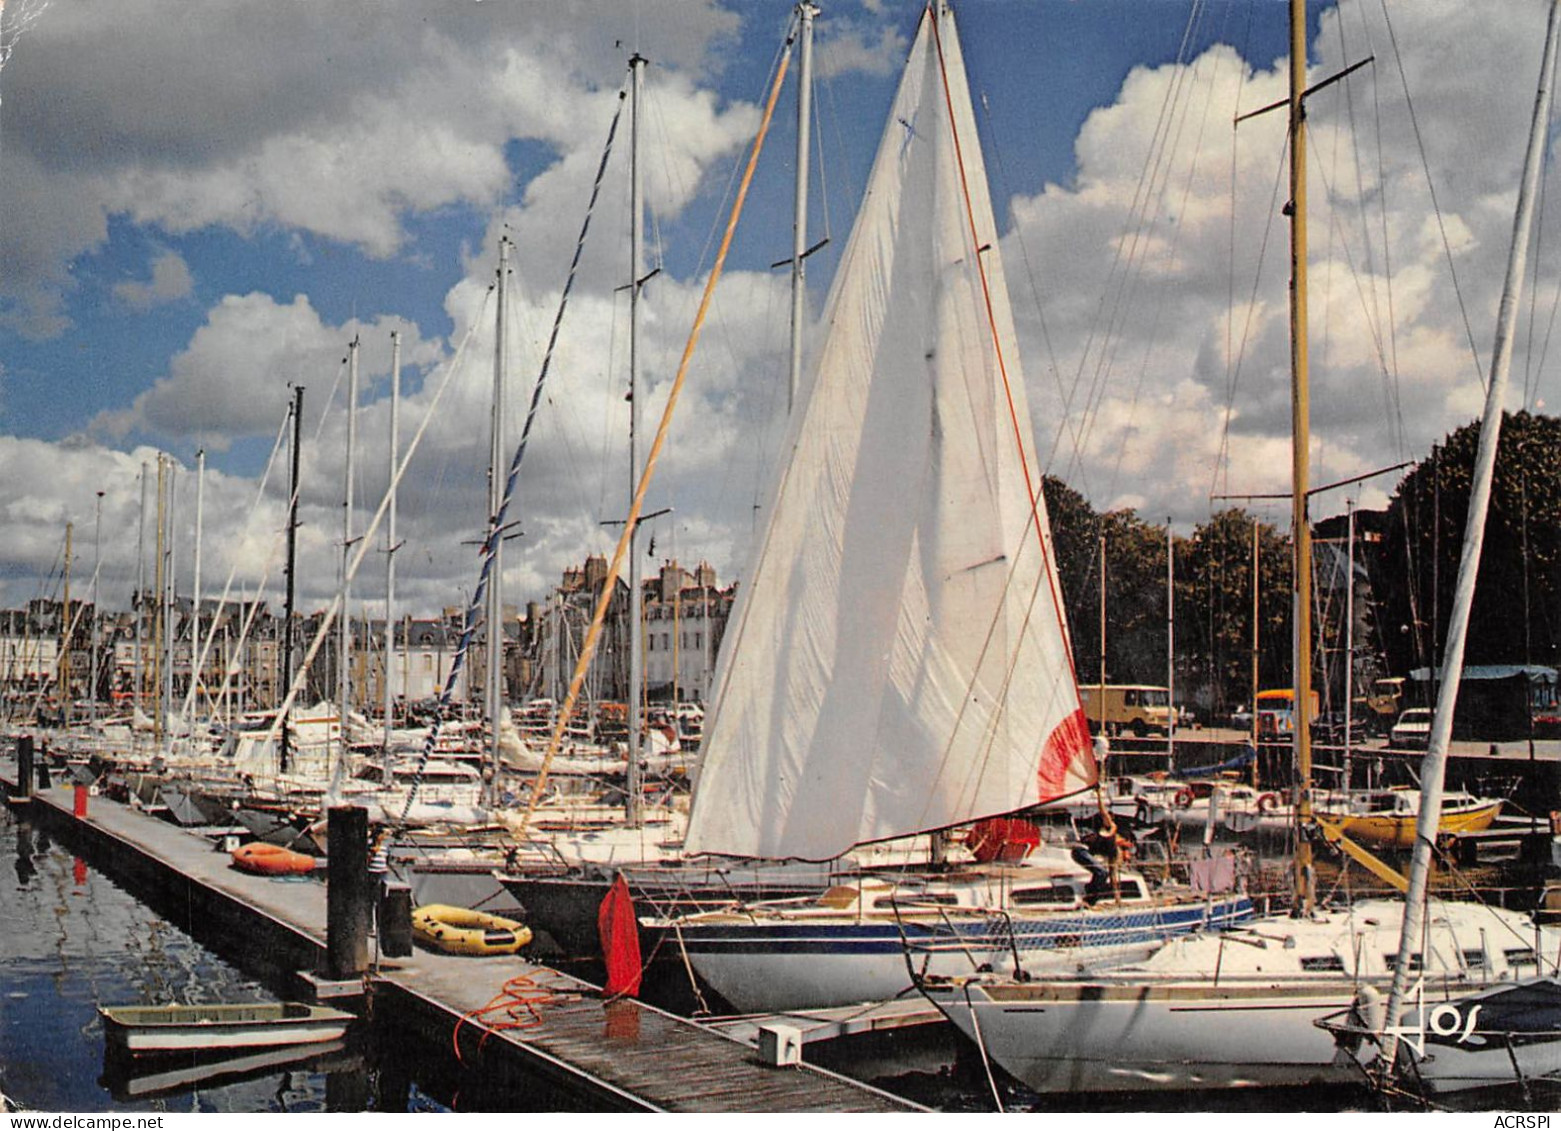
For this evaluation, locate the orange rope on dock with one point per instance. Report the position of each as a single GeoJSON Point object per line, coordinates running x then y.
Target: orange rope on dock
{"type": "Point", "coordinates": [513, 1007]}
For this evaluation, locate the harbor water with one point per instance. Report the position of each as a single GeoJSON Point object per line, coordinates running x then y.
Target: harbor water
{"type": "Point", "coordinates": [73, 940]}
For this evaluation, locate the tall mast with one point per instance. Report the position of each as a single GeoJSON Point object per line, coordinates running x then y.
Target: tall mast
{"type": "Point", "coordinates": [1256, 583]}
{"type": "Point", "coordinates": [1100, 706]}
{"type": "Point", "coordinates": [1170, 645]}
{"type": "Point", "coordinates": [634, 784]}
{"type": "Point", "coordinates": [1300, 456]}
{"type": "Point", "coordinates": [390, 536]}
{"type": "Point", "coordinates": [168, 595]}
{"type": "Point", "coordinates": [1349, 638]}
{"type": "Point", "coordinates": [494, 691]}
{"type": "Point", "coordinates": [65, 636]}
{"type": "Point", "coordinates": [344, 620]}
{"type": "Point", "coordinates": [292, 566]}
{"type": "Point", "coordinates": [160, 617]}
{"type": "Point", "coordinates": [799, 225]}
{"type": "Point", "coordinates": [140, 602]}
{"type": "Point", "coordinates": [195, 584]}
{"type": "Point", "coordinates": [1433, 768]}
{"type": "Point", "coordinates": [97, 567]}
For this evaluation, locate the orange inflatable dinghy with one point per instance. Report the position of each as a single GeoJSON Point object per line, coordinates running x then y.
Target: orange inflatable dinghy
{"type": "Point", "coordinates": [272, 860]}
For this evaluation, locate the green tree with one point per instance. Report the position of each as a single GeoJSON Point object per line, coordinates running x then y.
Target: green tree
{"type": "Point", "coordinates": [1213, 599]}
{"type": "Point", "coordinates": [1214, 609]}
{"type": "Point", "coordinates": [1516, 617]}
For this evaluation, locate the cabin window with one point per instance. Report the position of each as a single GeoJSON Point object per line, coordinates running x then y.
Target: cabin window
{"type": "Point", "coordinates": [1131, 889]}
{"type": "Point", "coordinates": [1391, 961]}
{"type": "Point", "coordinates": [1521, 956]}
{"type": "Point", "coordinates": [651, 647]}
{"type": "Point", "coordinates": [698, 640]}
{"type": "Point", "coordinates": [940, 899]}
{"type": "Point", "coordinates": [1474, 959]}
{"type": "Point", "coordinates": [1323, 962]}
{"type": "Point", "coordinates": [1036, 897]}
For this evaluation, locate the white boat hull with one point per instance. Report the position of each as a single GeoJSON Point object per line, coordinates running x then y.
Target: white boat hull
{"type": "Point", "coordinates": [1146, 1042]}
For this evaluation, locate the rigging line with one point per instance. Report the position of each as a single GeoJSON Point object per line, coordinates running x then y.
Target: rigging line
{"type": "Point", "coordinates": [818, 145]}
{"type": "Point", "coordinates": [1107, 288]}
{"type": "Point", "coordinates": [1436, 207]}
{"type": "Point", "coordinates": [496, 523]}
{"type": "Point", "coordinates": [227, 588]}
{"type": "Point", "coordinates": [850, 189]}
{"type": "Point", "coordinates": [1016, 230]}
{"type": "Point", "coordinates": [1533, 368]}
{"type": "Point", "coordinates": [1172, 255]}
{"type": "Point", "coordinates": [599, 616]}
{"type": "Point", "coordinates": [1550, 325]}
{"type": "Point", "coordinates": [366, 538]}
{"type": "Point", "coordinates": [1221, 464]}
{"type": "Point", "coordinates": [1393, 411]}
{"type": "Point", "coordinates": [779, 61]}
{"type": "Point", "coordinates": [1126, 267]}
{"type": "Point", "coordinates": [1246, 332]}
{"type": "Point", "coordinates": [1032, 488]}
{"type": "Point", "coordinates": [1355, 273]}
{"type": "Point", "coordinates": [1392, 391]}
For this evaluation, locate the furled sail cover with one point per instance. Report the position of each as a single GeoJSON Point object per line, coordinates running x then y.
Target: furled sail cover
{"type": "Point", "coordinates": [898, 661]}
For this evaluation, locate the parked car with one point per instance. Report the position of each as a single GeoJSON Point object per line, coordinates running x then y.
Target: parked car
{"type": "Point", "coordinates": [1413, 729]}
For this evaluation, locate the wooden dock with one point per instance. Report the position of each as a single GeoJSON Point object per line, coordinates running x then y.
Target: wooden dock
{"type": "Point", "coordinates": [536, 1022]}
{"type": "Point", "coordinates": [813, 1025]}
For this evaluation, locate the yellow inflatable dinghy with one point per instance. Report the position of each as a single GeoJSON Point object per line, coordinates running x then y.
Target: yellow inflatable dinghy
{"type": "Point", "coordinates": [457, 930]}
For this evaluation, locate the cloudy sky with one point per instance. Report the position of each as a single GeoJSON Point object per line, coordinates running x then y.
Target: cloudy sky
{"type": "Point", "coordinates": [200, 205]}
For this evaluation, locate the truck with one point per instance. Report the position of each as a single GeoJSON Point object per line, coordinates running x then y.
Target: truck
{"type": "Point", "coordinates": [1139, 708]}
{"type": "Point", "coordinates": [1276, 712]}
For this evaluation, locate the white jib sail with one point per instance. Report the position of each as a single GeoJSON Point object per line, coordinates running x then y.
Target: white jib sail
{"type": "Point", "coordinates": [898, 661]}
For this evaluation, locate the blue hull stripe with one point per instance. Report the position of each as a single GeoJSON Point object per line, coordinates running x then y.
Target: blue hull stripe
{"type": "Point", "coordinates": [984, 933]}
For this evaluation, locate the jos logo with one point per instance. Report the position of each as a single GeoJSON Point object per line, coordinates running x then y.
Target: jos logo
{"type": "Point", "coordinates": [1444, 1020]}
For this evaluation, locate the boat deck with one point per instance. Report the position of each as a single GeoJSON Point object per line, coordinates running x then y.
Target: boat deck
{"type": "Point", "coordinates": [620, 1055]}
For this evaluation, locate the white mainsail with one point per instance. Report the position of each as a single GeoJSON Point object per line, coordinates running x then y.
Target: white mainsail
{"type": "Point", "coordinates": [899, 661]}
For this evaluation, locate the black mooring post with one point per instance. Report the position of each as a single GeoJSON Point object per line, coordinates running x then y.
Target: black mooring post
{"type": "Point", "coordinates": [24, 767]}
{"type": "Point", "coordinates": [349, 903]}
{"type": "Point", "coordinates": [395, 919]}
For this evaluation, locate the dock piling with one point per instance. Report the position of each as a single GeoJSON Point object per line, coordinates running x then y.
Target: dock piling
{"type": "Point", "coordinates": [395, 919]}
{"type": "Point", "coordinates": [348, 897]}
{"type": "Point", "coordinates": [24, 767]}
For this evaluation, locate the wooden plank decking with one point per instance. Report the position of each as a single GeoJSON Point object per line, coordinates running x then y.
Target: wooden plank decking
{"type": "Point", "coordinates": [624, 1055]}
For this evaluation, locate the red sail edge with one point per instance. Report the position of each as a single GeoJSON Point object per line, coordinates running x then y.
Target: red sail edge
{"type": "Point", "coordinates": [1068, 759]}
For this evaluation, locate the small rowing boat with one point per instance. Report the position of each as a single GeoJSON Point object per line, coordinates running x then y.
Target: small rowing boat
{"type": "Point", "coordinates": [175, 1028]}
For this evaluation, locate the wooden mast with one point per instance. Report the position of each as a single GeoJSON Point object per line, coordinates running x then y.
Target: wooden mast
{"type": "Point", "coordinates": [1300, 454]}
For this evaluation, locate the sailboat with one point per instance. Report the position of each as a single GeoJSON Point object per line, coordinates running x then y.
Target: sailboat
{"type": "Point", "coordinates": [899, 662]}
{"type": "Point", "coordinates": [1241, 1009]}
{"type": "Point", "coordinates": [1494, 1036]}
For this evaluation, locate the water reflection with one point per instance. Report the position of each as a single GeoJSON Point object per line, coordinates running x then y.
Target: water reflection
{"type": "Point", "coordinates": [75, 939]}
{"type": "Point", "coordinates": [25, 871]}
